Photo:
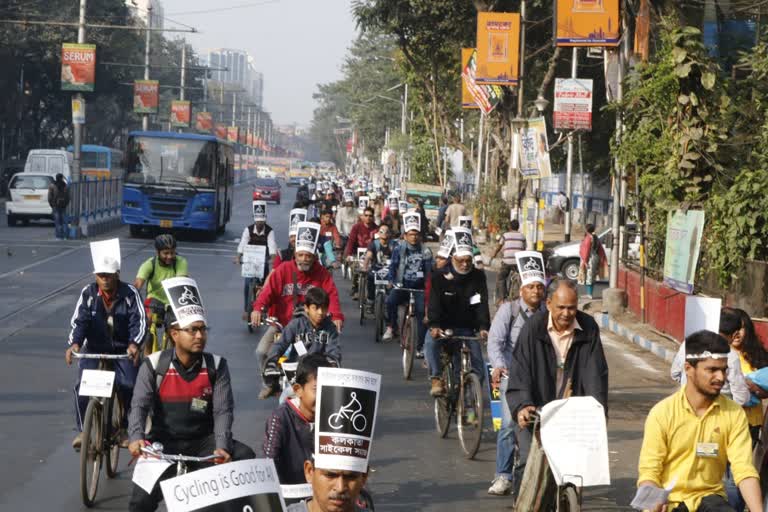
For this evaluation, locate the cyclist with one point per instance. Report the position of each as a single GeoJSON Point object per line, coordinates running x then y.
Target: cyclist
{"type": "Point", "coordinates": [258, 234]}
{"type": "Point", "coordinates": [333, 490]}
{"type": "Point", "coordinates": [108, 319]}
{"type": "Point", "coordinates": [289, 437]}
{"type": "Point", "coordinates": [188, 393]}
{"type": "Point", "coordinates": [379, 252]}
{"type": "Point", "coordinates": [394, 213]}
{"type": "Point", "coordinates": [297, 215]}
{"type": "Point", "coordinates": [164, 265]}
{"type": "Point", "coordinates": [411, 267]}
{"type": "Point", "coordinates": [512, 241]}
{"type": "Point", "coordinates": [287, 286]}
{"type": "Point", "coordinates": [313, 329]}
{"type": "Point", "coordinates": [347, 215]}
{"type": "Point", "coordinates": [458, 301]}
{"type": "Point", "coordinates": [359, 238]}
{"type": "Point", "coordinates": [329, 229]}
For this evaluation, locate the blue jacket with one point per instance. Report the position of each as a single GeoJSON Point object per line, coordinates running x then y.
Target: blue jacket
{"type": "Point", "coordinates": [90, 321]}
{"type": "Point", "coordinates": [407, 263]}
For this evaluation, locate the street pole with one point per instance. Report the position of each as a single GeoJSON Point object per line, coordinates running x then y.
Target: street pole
{"type": "Point", "coordinates": [569, 166]}
{"type": "Point", "coordinates": [479, 152]}
{"type": "Point", "coordinates": [78, 127]}
{"type": "Point", "coordinates": [403, 118]}
{"type": "Point", "coordinates": [147, 39]}
{"type": "Point", "coordinates": [614, 273]}
{"type": "Point", "coordinates": [183, 73]}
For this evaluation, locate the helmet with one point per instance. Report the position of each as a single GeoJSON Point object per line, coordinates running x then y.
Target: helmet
{"type": "Point", "coordinates": [165, 241]}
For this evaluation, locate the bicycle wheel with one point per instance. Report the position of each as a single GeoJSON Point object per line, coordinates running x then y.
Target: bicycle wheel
{"type": "Point", "coordinates": [378, 315]}
{"type": "Point", "coordinates": [112, 421]}
{"type": "Point", "coordinates": [91, 452]}
{"type": "Point", "coordinates": [151, 341]}
{"type": "Point", "coordinates": [470, 414]}
{"type": "Point", "coordinates": [569, 499]}
{"type": "Point", "coordinates": [408, 343]}
{"type": "Point", "coordinates": [362, 295]}
{"type": "Point", "coordinates": [444, 404]}
{"type": "Point", "coordinates": [249, 308]}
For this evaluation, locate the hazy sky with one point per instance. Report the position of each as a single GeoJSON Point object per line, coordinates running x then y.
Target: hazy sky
{"type": "Point", "coordinates": [295, 43]}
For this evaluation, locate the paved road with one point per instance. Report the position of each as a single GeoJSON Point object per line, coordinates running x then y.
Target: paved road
{"type": "Point", "coordinates": [412, 468]}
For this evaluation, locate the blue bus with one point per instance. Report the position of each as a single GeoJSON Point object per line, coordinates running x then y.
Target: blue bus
{"type": "Point", "coordinates": [100, 161]}
{"type": "Point", "coordinates": [179, 181]}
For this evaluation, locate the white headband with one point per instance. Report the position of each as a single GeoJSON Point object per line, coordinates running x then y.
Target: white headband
{"type": "Point", "coordinates": [705, 355]}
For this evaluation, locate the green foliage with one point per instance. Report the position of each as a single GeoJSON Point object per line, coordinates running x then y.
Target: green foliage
{"type": "Point", "coordinates": [491, 206]}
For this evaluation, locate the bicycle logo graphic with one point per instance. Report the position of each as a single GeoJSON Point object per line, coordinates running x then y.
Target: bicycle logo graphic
{"type": "Point", "coordinates": [188, 297]}
{"type": "Point", "coordinates": [307, 236]}
{"type": "Point", "coordinates": [531, 265]}
{"type": "Point", "coordinates": [350, 412]}
{"type": "Point", "coordinates": [464, 240]}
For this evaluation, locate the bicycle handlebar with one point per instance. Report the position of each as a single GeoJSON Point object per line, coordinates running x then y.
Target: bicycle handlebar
{"type": "Point", "coordinates": [80, 355]}
{"type": "Point", "coordinates": [156, 450]}
{"type": "Point", "coordinates": [411, 290]}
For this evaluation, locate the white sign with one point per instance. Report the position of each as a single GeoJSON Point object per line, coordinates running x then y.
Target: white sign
{"type": "Point", "coordinates": [148, 471]}
{"type": "Point", "coordinates": [296, 492]}
{"type": "Point", "coordinates": [573, 104]}
{"type": "Point", "coordinates": [347, 401]}
{"type": "Point", "coordinates": [254, 261]}
{"type": "Point", "coordinates": [97, 383]}
{"type": "Point", "coordinates": [534, 150]}
{"type": "Point", "coordinates": [575, 439]}
{"type": "Point", "coordinates": [702, 313]}
{"type": "Point", "coordinates": [78, 111]}
{"type": "Point", "coordinates": [244, 485]}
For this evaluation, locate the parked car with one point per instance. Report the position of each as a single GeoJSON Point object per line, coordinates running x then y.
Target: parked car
{"type": "Point", "coordinates": [564, 259]}
{"type": "Point", "coordinates": [28, 198]}
{"type": "Point", "coordinates": [266, 189]}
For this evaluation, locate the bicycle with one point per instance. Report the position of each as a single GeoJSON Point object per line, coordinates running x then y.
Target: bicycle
{"type": "Point", "coordinates": [156, 310]}
{"type": "Point", "coordinates": [101, 432]}
{"type": "Point", "coordinates": [355, 417]}
{"type": "Point", "coordinates": [409, 332]}
{"type": "Point", "coordinates": [253, 293]}
{"type": "Point", "coordinates": [156, 450]}
{"type": "Point", "coordinates": [463, 395]}
{"type": "Point", "coordinates": [362, 285]}
{"type": "Point", "coordinates": [380, 282]}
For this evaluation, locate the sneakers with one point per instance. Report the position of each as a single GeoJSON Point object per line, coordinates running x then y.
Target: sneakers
{"type": "Point", "coordinates": [419, 354]}
{"type": "Point", "coordinates": [77, 442]}
{"type": "Point", "coordinates": [437, 387]}
{"type": "Point", "coordinates": [388, 334]}
{"type": "Point", "coordinates": [501, 486]}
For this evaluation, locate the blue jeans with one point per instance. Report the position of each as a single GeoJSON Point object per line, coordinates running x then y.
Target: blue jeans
{"type": "Point", "coordinates": [248, 283]}
{"type": "Point", "coordinates": [432, 355]}
{"type": "Point", "coordinates": [396, 298]}
{"type": "Point", "coordinates": [506, 440]}
{"type": "Point", "coordinates": [59, 219]}
{"type": "Point", "coordinates": [125, 378]}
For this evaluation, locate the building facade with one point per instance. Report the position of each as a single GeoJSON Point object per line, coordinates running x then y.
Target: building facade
{"type": "Point", "coordinates": [240, 72]}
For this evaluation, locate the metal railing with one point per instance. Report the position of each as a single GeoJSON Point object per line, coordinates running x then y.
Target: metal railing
{"type": "Point", "coordinates": [94, 199]}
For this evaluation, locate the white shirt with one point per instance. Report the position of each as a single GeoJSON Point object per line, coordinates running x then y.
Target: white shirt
{"type": "Point", "coordinates": [271, 243]}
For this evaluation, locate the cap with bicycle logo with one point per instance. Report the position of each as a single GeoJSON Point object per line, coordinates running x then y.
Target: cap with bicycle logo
{"type": "Point", "coordinates": [362, 202]}
{"type": "Point", "coordinates": [465, 221]}
{"type": "Point", "coordinates": [260, 210]}
{"type": "Point", "coordinates": [464, 245]}
{"type": "Point", "coordinates": [349, 196]}
{"type": "Point", "coordinates": [297, 215]}
{"type": "Point", "coordinates": [106, 256]}
{"type": "Point", "coordinates": [404, 205]}
{"type": "Point", "coordinates": [393, 202]}
{"type": "Point", "coordinates": [186, 301]}
{"type": "Point", "coordinates": [412, 222]}
{"type": "Point", "coordinates": [307, 234]}
{"type": "Point", "coordinates": [347, 404]}
{"type": "Point", "coordinates": [530, 265]}
{"type": "Point", "coordinates": [446, 244]}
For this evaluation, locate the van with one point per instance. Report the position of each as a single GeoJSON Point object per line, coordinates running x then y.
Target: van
{"type": "Point", "coordinates": [50, 161]}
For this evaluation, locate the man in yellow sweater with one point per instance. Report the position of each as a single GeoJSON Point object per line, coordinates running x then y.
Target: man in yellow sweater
{"type": "Point", "coordinates": [691, 437]}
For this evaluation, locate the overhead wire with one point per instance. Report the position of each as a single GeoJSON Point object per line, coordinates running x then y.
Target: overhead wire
{"type": "Point", "coordinates": [221, 9]}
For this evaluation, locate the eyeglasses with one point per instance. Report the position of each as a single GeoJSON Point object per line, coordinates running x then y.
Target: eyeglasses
{"type": "Point", "coordinates": [192, 331]}
{"type": "Point", "coordinates": [367, 215]}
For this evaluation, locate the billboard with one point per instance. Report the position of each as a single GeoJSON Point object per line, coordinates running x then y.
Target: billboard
{"type": "Point", "coordinates": [146, 96]}
{"type": "Point", "coordinates": [232, 134]}
{"type": "Point", "coordinates": [78, 67]}
{"type": "Point", "coordinates": [573, 104]}
{"type": "Point", "coordinates": [181, 113]}
{"type": "Point", "coordinates": [467, 101]}
{"type": "Point", "coordinates": [221, 131]}
{"type": "Point", "coordinates": [587, 23]}
{"type": "Point", "coordinates": [204, 122]}
{"type": "Point", "coordinates": [498, 48]}
{"type": "Point", "coordinates": [486, 96]}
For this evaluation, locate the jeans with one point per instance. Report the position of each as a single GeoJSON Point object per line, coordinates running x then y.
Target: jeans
{"type": "Point", "coordinates": [432, 355]}
{"type": "Point", "coordinates": [396, 298]}
{"type": "Point", "coordinates": [248, 284]}
{"type": "Point", "coordinates": [125, 378]}
{"type": "Point", "coordinates": [141, 501]}
{"type": "Point", "coordinates": [506, 440]}
{"type": "Point", "coordinates": [59, 219]}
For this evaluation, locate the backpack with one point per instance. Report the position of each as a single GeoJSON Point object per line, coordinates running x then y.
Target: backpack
{"type": "Point", "coordinates": [159, 362]}
{"type": "Point", "coordinates": [60, 196]}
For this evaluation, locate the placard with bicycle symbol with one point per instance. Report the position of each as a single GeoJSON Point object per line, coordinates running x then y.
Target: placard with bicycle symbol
{"type": "Point", "coordinates": [347, 402]}
{"type": "Point", "coordinates": [185, 299]}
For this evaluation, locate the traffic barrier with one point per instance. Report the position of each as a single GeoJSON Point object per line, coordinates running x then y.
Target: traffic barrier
{"type": "Point", "coordinates": [95, 206]}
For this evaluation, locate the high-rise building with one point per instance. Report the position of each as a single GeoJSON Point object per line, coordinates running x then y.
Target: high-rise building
{"type": "Point", "coordinates": [240, 71]}
{"type": "Point", "coordinates": [144, 8]}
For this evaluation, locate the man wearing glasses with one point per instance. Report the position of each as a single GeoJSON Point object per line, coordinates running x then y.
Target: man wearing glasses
{"type": "Point", "coordinates": [361, 235]}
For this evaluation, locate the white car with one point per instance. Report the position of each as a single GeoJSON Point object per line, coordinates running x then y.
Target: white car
{"type": "Point", "coordinates": [564, 259]}
{"type": "Point", "coordinates": [28, 198]}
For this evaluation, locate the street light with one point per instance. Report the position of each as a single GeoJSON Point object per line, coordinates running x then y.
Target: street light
{"type": "Point", "coordinates": [541, 104]}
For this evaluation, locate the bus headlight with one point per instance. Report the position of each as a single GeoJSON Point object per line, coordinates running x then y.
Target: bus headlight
{"type": "Point", "coordinates": [206, 209]}
{"type": "Point", "coordinates": [131, 204]}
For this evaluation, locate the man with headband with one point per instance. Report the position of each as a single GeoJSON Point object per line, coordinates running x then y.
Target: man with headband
{"type": "Point", "coordinates": [691, 437]}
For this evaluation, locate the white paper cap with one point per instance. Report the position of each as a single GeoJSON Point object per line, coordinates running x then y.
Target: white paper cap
{"type": "Point", "coordinates": [186, 301]}
{"type": "Point", "coordinates": [530, 265]}
{"type": "Point", "coordinates": [348, 196]}
{"type": "Point", "coordinates": [363, 202]}
{"type": "Point", "coordinates": [259, 210]}
{"type": "Point", "coordinates": [105, 255]}
{"type": "Point", "coordinates": [465, 221]}
{"type": "Point", "coordinates": [306, 237]}
{"type": "Point", "coordinates": [404, 206]}
{"type": "Point", "coordinates": [464, 243]}
{"type": "Point", "coordinates": [411, 222]}
{"type": "Point", "coordinates": [297, 215]}
{"type": "Point", "coordinates": [446, 244]}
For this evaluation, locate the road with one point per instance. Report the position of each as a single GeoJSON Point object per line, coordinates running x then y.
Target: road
{"type": "Point", "coordinates": [412, 469]}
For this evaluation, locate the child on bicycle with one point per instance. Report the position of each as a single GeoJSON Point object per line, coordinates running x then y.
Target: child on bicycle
{"type": "Point", "coordinates": [312, 332]}
{"type": "Point", "coordinates": [289, 435]}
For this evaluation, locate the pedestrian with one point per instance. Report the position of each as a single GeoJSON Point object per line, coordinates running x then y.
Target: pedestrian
{"type": "Point", "coordinates": [558, 354]}
{"type": "Point", "coordinates": [593, 258]}
{"type": "Point", "coordinates": [502, 337]}
{"type": "Point", "coordinates": [441, 212]}
{"type": "Point", "coordinates": [454, 211]}
{"type": "Point", "coordinates": [697, 432]}
{"type": "Point", "coordinates": [58, 199]}
{"type": "Point", "coordinates": [563, 204]}
{"type": "Point", "coordinates": [512, 241]}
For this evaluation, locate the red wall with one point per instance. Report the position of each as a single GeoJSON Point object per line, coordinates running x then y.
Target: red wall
{"type": "Point", "coordinates": [665, 307]}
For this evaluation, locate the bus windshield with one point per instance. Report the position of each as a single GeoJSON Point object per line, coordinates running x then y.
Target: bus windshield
{"type": "Point", "coordinates": [156, 160]}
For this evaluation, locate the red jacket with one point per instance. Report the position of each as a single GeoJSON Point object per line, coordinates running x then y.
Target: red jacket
{"type": "Point", "coordinates": [277, 294]}
{"type": "Point", "coordinates": [359, 238]}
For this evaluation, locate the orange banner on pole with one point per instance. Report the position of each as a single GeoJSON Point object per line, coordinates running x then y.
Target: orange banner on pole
{"type": "Point", "coordinates": [221, 131]}
{"type": "Point", "coordinates": [587, 23]}
{"type": "Point", "coordinates": [232, 134]}
{"type": "Point", "coordinates": [467, 101]}
{"type": "Point", "coordinates": [498, 48]}
{"type": "Point", "coordinates": [181, 113]}
{"type": "Point", "coordinates": [146, 94]}
{"type": "Point", "coordinates": [78, 67]}
{"type": "Point", "coordinates": [204, 122]}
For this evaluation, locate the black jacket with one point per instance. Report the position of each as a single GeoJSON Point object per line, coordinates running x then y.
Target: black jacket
{"type": "Point", "coordinates": [289, 440]}
{"type": "Point", "coordinates": [457, 301]}
{"type": "Point", "coordinates": [533, 374]}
